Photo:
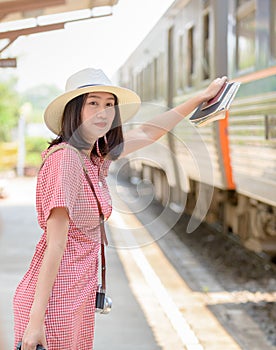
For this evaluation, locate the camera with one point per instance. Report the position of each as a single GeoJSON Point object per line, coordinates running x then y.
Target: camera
{"type": "Point", "coordinates": [38, 347]}
{"type": "Point", "coordinates": [103, 303]}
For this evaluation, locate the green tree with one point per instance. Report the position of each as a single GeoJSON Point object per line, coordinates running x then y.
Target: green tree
{"type": "Point", "coordinates": [9, 108]}
{"type": "Point", "coordinates": [39, 97]}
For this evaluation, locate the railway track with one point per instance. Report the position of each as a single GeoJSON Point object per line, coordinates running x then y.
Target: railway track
{"type": "Point", "coordinates": [223, 293]}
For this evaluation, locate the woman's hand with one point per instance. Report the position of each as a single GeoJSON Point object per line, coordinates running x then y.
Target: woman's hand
{"type": "Point", "coordinates": [34, 335]}
{"type": "Point", "coordinates": [213, 88]}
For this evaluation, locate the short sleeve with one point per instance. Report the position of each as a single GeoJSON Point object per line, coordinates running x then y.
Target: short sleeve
{"type": "Point", "coordinates": [61, 177]}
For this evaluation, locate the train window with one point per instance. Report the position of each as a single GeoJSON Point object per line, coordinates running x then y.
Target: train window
{"type": "Point", "coordinates": [155, 79]}
{"type": "Point", "coordinates": [206, 46]}
{"type": "Point", "coordinates": [131, 79]}
{"type": "Point", "coordinates": [150, 80]}
{"type": "Point", "coordinates": [160, 85]}
{"type": "Point", "coordinates": [181, 72]}
{"type": "Point", "coordinates": [270, 127]}
{"type": "Point", "coordinates": [273, 28]}
{"type": "Point", "coordinates": [140, 82]}
{"type": "Point", "coordinates": [147, 87]}
{"type": "Point", "coordinates": [246, 34]}
{"type": "Point", "coordinates": [190, 55]}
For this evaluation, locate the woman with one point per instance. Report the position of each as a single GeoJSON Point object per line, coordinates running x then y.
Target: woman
{"type": "Point", "coordinates": [54, 304]}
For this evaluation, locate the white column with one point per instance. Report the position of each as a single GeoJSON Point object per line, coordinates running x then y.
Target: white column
{"type": "Point", "coordinates": [21, 146]}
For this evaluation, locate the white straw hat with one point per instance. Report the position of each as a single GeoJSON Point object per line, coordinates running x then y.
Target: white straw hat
{"type": "Point", "coordinates": [86, 81]}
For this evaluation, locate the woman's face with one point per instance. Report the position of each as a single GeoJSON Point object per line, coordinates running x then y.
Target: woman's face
{"type": "Point", "coordinates": [97, 115]}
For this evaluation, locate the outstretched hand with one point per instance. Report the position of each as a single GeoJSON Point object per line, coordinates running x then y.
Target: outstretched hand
{"type": "Point", "coordinates": [214, 88]}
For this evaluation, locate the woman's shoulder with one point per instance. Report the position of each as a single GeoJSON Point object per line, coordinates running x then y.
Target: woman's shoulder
{"type": "Point", "coordinates": [61, 154]}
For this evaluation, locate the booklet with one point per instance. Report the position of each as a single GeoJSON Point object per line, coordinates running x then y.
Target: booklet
{"type": "Point", "coordinates": [215, 108]}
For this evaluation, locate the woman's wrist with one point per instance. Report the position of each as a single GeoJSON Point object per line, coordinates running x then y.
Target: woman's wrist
{"type": "Point", "coordinates": [37, 317]}
{"type": "Point", "coordinates": [201, 97]}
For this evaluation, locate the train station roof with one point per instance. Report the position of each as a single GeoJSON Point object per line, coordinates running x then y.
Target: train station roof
{"type": "Point", "coordinates": [24, 17]}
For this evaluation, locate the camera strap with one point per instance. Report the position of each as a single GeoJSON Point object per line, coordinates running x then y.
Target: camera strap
{"type": "Point", "coordinates": [102, 229]}
{"type": "Point", "coordinates": [101, 215]}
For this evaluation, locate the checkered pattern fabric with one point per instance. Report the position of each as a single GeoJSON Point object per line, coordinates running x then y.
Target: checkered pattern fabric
{"type": "Point", "coordinates": [70, 313]}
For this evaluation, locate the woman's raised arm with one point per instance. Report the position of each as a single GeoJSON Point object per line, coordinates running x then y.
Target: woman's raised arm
{"type": "Point", "coordinates": [158, 126]}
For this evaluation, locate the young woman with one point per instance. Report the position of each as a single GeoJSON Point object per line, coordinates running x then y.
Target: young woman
{"type": "Point", "coordinates": [54, 304]}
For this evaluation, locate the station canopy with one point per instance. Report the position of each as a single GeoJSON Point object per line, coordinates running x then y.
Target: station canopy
{"type": "Point", "coordinates": [24, 17]}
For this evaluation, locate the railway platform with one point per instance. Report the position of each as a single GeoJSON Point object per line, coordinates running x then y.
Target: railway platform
{"type": "Point", "coordinates": [154, 306]}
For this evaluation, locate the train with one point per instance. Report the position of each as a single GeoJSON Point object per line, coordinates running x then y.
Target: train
{"type": "Point", "coordinates": [223, 173]}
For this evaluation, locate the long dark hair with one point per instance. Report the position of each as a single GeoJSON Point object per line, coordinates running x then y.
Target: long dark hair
{"type": "Point", "coordinates": [70, 130]}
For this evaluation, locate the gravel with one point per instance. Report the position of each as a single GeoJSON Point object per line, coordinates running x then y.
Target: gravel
{"type": "Point", "coordinates": [237, 269]}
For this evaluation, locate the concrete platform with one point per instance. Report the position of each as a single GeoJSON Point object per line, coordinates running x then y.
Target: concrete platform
{"type": "Point", "coordinates": [124, 328]}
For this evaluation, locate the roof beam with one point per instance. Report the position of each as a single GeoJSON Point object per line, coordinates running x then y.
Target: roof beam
{"type": "Point", "coordinates": [8, 44]}
{"type": "Point", "coordinates": [8, 7]}
{"type": "Point", "coordinates": [18, 6]}
{"type": "Point", "coordinates": [13, 34]}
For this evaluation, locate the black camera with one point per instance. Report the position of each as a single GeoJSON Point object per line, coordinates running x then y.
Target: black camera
{"type": "Point", "coordinates": [38, 347]}
{"type": "Point", "coordinates": [103, 303]}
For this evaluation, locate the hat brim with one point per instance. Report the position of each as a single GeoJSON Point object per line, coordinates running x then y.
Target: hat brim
{"type": "Point", "coordinates": [129, 103]}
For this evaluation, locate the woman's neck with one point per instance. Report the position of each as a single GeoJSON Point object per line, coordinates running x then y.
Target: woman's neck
{"type": "Point", "coordinates": [87, 152]}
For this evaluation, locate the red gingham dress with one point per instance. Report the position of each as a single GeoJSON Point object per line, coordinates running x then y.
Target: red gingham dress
{"type": "Point", "coordinates": [69, 318]}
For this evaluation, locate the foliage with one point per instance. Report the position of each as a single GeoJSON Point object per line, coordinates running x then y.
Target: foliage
{"type": "Point", "coordinates": [9, 108]}
{"type": "Point", "coordinates": [11, 101]}
{"type": "Point", "coordinates": [34, 147]}
{"type": "Point", "coordinates": [39, 97]}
